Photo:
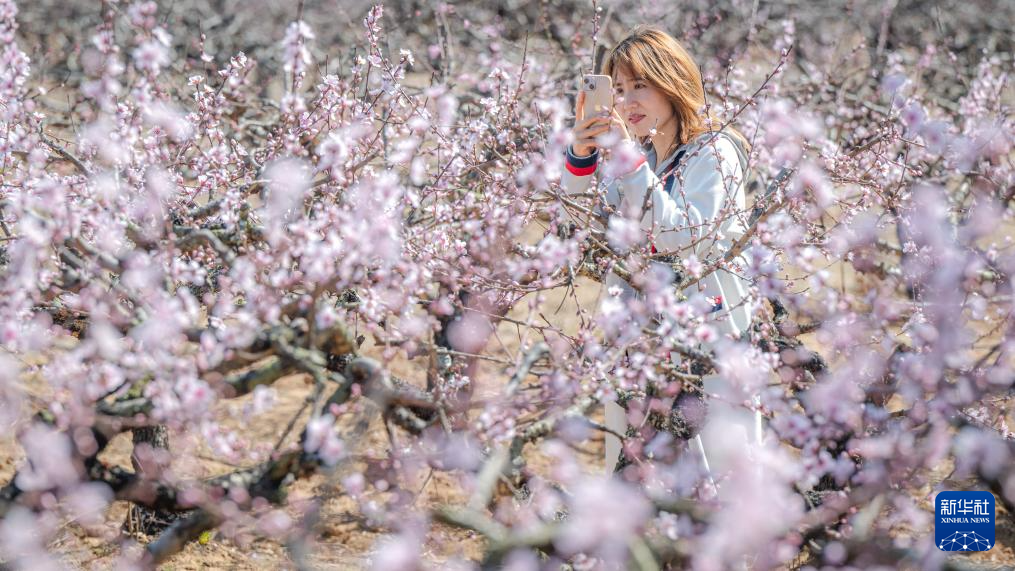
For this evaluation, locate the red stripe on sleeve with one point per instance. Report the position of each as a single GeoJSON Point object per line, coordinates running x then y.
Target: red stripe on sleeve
{"type": "Point", "coordinates": [580, 171]}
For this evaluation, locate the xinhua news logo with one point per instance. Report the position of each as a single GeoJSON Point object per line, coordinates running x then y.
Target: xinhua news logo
{"type": "Point", "coordinates": [964, 521]}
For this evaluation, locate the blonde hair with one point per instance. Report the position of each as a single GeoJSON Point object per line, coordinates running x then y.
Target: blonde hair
{"type": "Point", "coordinates": [652, 54]}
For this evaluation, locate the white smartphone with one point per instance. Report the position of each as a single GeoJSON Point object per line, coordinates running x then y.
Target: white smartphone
{"type": "Point", "coordinates": [598, 94]}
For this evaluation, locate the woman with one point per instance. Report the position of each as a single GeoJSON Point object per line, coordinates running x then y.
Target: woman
{"type": "Point", "coordinates": [694, 177]}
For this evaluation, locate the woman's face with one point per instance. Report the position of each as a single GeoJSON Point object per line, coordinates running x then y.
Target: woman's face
{"type": "Point", "coordinates": [642, 105]}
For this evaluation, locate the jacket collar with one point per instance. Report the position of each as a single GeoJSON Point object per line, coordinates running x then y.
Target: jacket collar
{"type": "Point", "coordinates": [650, 156]}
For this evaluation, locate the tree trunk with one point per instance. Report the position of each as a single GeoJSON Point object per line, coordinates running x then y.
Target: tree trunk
{"type": "Point", "coordinates": [142, 521]}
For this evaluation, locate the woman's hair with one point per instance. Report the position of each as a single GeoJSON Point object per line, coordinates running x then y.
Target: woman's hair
{"type": "Point", "coordinates": [652, 54]}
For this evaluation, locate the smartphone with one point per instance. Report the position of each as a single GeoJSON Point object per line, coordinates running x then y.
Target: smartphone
{"type": "Point", "coordinates": [598, 95]}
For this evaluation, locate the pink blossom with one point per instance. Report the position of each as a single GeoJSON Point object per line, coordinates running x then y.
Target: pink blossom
{"type": "Point", "coordinates": [275, 523]}
{"type": "Point", "coordinates": [744, 366]}
{"type": "Point", "coordinates": [87, 502]}
{"type": "Point", "coordinates": [469, 332]}
{"type": "Point", "coordinates": [151, 56]}
{"type": "Point", "coordinates": [860, 232]}
{"type": "Point", "coordinates": [761, 506]}
{"type": "Point", "coordinates": [977, 451]}
{"type": "Point", "coordinates": [447, 109]}
{"type": "Point", "coordinates": [397, 552]}
{"type": "Point", "coordinates": [453, 451]}
{"type": "Point", "coordinates": [170, 120]}
{"type": "Point", "coordinates": [222, 441]}
{"type": "Point", "coordinates": [321, 438]}
{"type": "Point", "coordinates": [555, 253]}
{"type": "Point", "coordinates": [693, 265]}
{"type": "Point", "coordinates": [11, 394]}
{"type": "Point", "coordinates": [624, 158]}
{"type": "Point", "coordinates": [893, 85]}
{"type": "Point", "coordinates": [521, 560]}
{"type": "Point", "coordinates": [23, 538]}
{"type": "Point", "coordinates": [810, 177]}
{"type": "Point", "coordinates": [195, 395]}
{"type": "Point", "coordinates": [705, 334]}
{"type": "Point", "coordinates": [50, 462]}
{"type": "Point", "coordinates": [263, 399]}
{"type": "Point", "coordinates": [912, 116]}
{"type": "Point", "coordinates": [623, 233]}
{"type": "Point", "coordinates": [604, 515]}
{"type": "Point", "coordinates": [935, 134]}
{"type": "Point", "coordinates": [615, 318]}
{"type": "Point", "coordinates": [288, 180]}
{"type": "Point", "coordinates": [142, 14]}
{"type": "Point", "coordinates": [296, 54]}
{"type": "Point", "coordinates": [292, 104]}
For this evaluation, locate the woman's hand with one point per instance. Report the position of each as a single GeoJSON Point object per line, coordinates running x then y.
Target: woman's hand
{"type": "Point", "coordinates": [586, 130]}
{"type": "Point", "coordinates": [619, 126]}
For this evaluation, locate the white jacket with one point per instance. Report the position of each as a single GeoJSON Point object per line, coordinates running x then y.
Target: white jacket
{"type": "Point", "coordinates": [688, 204]}
{"type": "Point", "coordinates": [709, 177]}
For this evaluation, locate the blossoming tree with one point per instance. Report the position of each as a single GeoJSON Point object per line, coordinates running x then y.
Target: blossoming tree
{"type": "Point", "coordinates": [189, 230]}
